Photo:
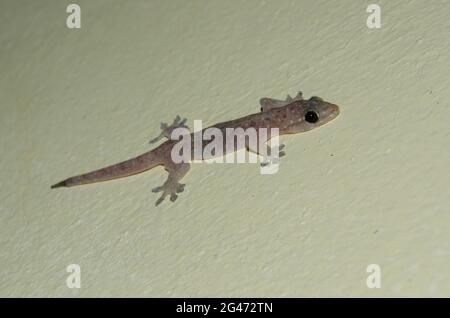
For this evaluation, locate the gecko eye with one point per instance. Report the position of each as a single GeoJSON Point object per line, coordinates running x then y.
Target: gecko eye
{"type": "Point", "coordinates": [311, 117]}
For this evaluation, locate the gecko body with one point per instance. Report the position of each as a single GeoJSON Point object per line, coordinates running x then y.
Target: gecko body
{"type": "Point", "coordinates": [290, 116]}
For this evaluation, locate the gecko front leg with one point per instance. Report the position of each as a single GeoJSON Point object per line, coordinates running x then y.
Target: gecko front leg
{"type": "Point", "coordinates": [270, 103]}
{"type": "Point", "coordinates": [172, 186]}
{"type": "Point", "coordinates": [268, 154]}
{"type": "Point", "coordinates": [166, 130]}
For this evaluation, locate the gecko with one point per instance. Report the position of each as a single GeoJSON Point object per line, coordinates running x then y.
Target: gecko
{"type": "Point", "coordinates": [291, 116]}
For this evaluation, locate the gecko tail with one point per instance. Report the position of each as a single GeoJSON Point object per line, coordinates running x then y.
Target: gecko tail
{"type": "Point", "coordinates": [123, 169]}
{"type": "Point", "coordinates": [59, 185]}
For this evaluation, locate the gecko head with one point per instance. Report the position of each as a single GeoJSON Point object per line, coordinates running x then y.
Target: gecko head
{"type": "Point", "coordinates": [312, 113]}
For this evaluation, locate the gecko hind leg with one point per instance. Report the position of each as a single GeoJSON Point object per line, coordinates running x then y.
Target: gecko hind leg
{"type": "Point", "coordinates": [166, 130]}
{"type": "Point", "coordinates": [172, 186]}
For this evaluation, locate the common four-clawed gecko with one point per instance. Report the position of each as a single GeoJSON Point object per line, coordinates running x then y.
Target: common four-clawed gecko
{"type": "Point", "coordinates": [290, 116]}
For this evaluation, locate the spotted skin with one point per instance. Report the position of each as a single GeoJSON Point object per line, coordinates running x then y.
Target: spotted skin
{"type": "Point", "coordinates": [290, 116]}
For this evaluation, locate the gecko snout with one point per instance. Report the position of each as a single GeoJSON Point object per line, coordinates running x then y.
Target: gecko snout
{"type": "Point", "coordinates": [331, 111]}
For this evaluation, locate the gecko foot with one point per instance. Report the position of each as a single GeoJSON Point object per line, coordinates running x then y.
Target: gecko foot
{"type": "Point", "coordinates": [280, 152]}
{"type": "Point", "coordinates": [271, 149]}
{"type": "Point", "coordinates": [166, 130]}
{"type": "Point", "coordinates": [298, 97]}
{"type": "Point", "coordinates": [268, 160]}
{"type": "Point", "coordinates": [169, 188]}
